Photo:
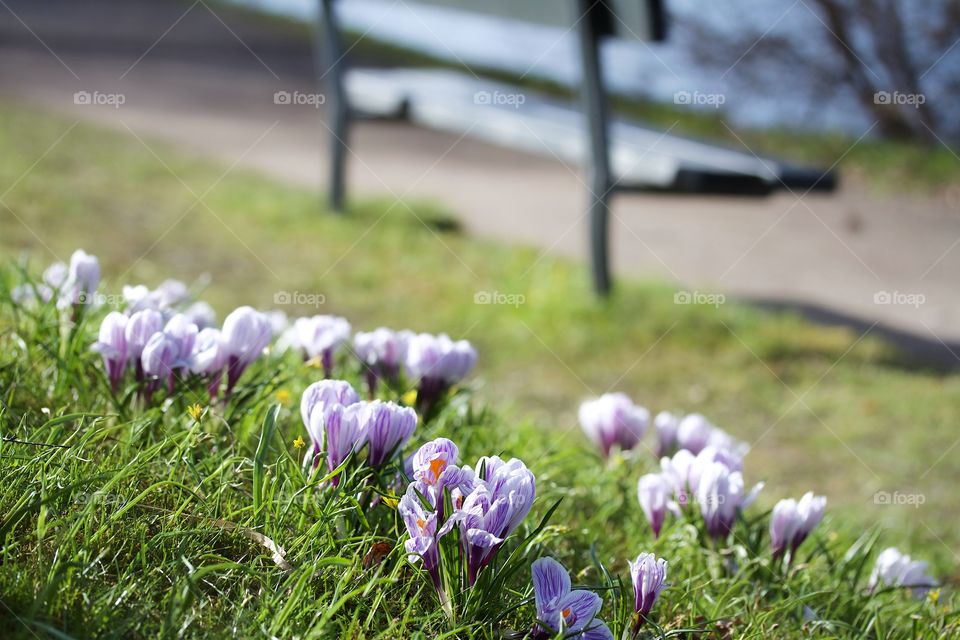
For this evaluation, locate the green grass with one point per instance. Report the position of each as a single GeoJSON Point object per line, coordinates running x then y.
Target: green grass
{"type": "Point", "coordinates": [150, 555]}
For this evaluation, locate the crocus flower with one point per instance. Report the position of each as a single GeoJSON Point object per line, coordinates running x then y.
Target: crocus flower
{"type": "Point", "coordinates": [160, 358]}
{"type": "Point", "coordinates": [612, 419]}
{"type": "Point", "coordinates": [666, 425]}
{"type": "Point", "coordinates": [693, 432]}
{"type": "Point", "coordinates": [83, 277]}
{"type": "Point", "coordinates": [201, 314]}
{"type": "Point", "coordinates": [792, 521]}
{"type": "Point", "coordinates": [246, 332]}
{"type": "Point", "coordinates": [896, 569]}
{"type": "Point", "coordinates": [208, 358]}
{"type": "Point", "coordinates": [437, 363]}
{"type": "Point", "coordinates": [320, 336]}
{"type": "Point", "coordinates": [719, 494]}
{"type": "Point", "coordinates": [433, 468]}
{"type": "Point", "coordinates": [55, 275]}
{"type": "Point", "coordinates": [649, 575]}
{"type": "Point", "coordinates": [654, 493]}
{"type": "Point", "coordinates": [317, 401]}
{"type": "Point", "coordinates": [382, 352]}
{"type": "Point", "coordinates": [341, 433]}
{"type": "Point", "coordinates": [499, 501]}
{"type": "Point", "coordinates": [422, 529]}
{"type": "Point", "coordinates": [676, 471]}
{"type": "Point", "coordinates": [184, 333]}
{"type": "Point", "coordinates": [562, 609]}
{"type": "Point", "coordinates": [386, 427]}
{"type": "Point", "coordinates": [140, 328]}
{"type": "Point", "coordinates": [112, 345]}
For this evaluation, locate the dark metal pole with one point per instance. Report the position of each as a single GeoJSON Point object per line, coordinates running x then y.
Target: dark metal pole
{"type": "Point", "coordinates": [331, 60]}
{"type": "Point", "coordinates": [595, 110]}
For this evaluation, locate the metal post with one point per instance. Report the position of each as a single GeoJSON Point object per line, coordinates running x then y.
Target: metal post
{"type": "Point", "coordinates": [331, 62]}
{"type": "Point", "coordinates": [595, 110]}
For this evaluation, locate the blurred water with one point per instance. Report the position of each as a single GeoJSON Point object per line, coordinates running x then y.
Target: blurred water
{"type": "Point", "coordinates": [657, 71]}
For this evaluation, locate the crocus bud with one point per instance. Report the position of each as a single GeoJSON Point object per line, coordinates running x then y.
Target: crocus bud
{"type": "Point", "coordinates": [693, 432]}
{"type": "Point", "coordinates": [320, 336]}
{"type": "Point", "coordinates": [112, 345]}
{"type": "Point", "coordinates": [159, 357]}
{"type": "Point", "coordinates": [648, 574]}
{"type": "Point", "coordinates": [437, 363]}
{"type": "Point", "coordinates": [140, 328]}
{"type": "Point", "coordinates": [246, 332]}
{"type": "Point", "coordinates": [613, 419]}
{"type": "Point", "coordinates": [719, 494]}
{"type": "Point", "coordinates": [666, 424]}
{"type": "Point", "coordinates": [792, 521]}
{"type": "Point", "coordinates": [896, 569]}
{"type": "Point", "coordinates": [386, 427]}
{"type": "Point", "coordinates": [184, 332]}
{"type": "Point", "coordinates": [654, 493]}
{"type": "Point", "coordinates": [201, 314]}
{"type": "Point", "coordinates": [83, 277]}
{"type": "Point", "coordinates": [207, 358]}
{"type": "Point", "coordinates": [382, 352]}
{"type": "Point", "coordinates": [341, 434]}
{"type": "Point", "coordinates": [320, 397]}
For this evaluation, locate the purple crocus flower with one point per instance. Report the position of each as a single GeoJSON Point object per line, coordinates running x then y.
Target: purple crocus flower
{"type": "Point", "coordinates": [654, 493]}
{"type": "Point", "coordinates": [613, 419]}
{"type": "Point", "coordinates": [317, 400]}
{"type": "Point", "coordinates": [386, 427]}
{"type": "Point", "coordinates": [184, 333]}
{"type": "Point", "coordinates": [246, 332]}
{"type": "Point", "coordinates": [341, 433]}
{"type": "Point", "coordinates": [562, 609]}
{"type": "Point", "coordinates": [896, 569]}
{"type": "Point", "coordinates": [693, 432]}
{"type": "Point", "coordinates": [676, 471]}
{"type": "Point", "coordinates": [160, 359]}
{"type": "Point", "coordinates": [140, 328]}
{"type": "Point", "coordinates": [208, 358]}
{"type": "Point", "coordinates": [792, 521]}
{"type": "Point", "coordinates": [320, 336]}
{"type": "Point", "coordinates": [499, 501]}
{"type": "Point", "coordinates": [82, 279]}
{"type": "Point", "coordinates": [666, 425]}
{"type": "Point", "coordinates": [422, 529]}
{"type": "Point", "coordinates": [648, 574]}
{"type": "Point", "coordinates": [719, 494]}
{"type": "Point", "coordinates": [112, 345]}
{"type": "Point", "coordinates": [382, 352]}
{"type": "Point", "coordinates": [436, 363]}
{"type": "Point", "coordinates": [433, 468]}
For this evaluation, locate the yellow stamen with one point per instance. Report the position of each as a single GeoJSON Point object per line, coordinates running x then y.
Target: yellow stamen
{"type": "Point", "coordinates": [421, 523]}
{"type": "Point", "coordinates": [566, 613]}
{"type": "Point", "coordinates": [436, 468]}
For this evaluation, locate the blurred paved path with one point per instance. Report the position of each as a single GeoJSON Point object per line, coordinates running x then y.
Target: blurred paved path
{"type": "Point", "coordinates": [205, 81]}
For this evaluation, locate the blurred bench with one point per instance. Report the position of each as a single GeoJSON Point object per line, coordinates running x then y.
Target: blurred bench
{"type": "Point", "coordinates": [618, 156]}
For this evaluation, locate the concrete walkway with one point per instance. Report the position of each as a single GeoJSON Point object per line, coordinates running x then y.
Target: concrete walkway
{"type": "Point", "coordinates": [205, 81]}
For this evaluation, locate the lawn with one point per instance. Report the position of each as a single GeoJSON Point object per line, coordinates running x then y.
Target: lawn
{"type": "Point", "coordinates": [824, 409]}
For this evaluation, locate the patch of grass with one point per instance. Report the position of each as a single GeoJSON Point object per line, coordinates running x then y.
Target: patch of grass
{"type": "Point", "coordinates": [825, 410]}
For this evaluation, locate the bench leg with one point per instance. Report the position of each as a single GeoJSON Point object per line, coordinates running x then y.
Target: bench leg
{"type": "Point", "coordinates": [329, 51]}
{"type": "Point", "coordinates": [595, 111]}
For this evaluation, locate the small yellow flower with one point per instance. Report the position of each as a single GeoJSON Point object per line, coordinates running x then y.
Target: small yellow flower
{"type": "Point", "coordinates": [409, 398]}
{"type": "Point", "coordinates": [283, 396]}
{"type": "Point", "coordinates": [195, 411]}
{"type": "Point", "coordinates": [934, 596]}
{"type": "Point", "coordinates": [298, 443]}
{"type": "Point", "coordinates": [315, 362]}
{"type": "Point", "coordinates": [391, 500]}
